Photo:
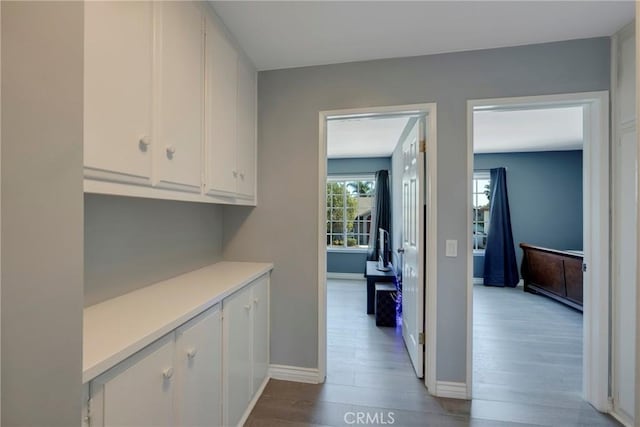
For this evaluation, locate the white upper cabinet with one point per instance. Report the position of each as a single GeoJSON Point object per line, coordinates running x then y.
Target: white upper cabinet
{"type": "Point", "coordinates": [118, 91]}
{"type": "Point", "coordinates": [221, 70]}
{"type": "Point", "coordinates": [170, 104]}
{"type": "Point", "coordinates": [180, 94]}
{"type": "Point", "coordinates": [246, 129]}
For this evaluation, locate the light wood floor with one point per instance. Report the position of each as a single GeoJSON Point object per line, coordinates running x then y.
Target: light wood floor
{"type": "Point", "coordinates": [369, 375]}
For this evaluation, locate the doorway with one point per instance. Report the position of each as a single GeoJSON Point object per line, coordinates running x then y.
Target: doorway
{"type": "Point", "coordinates": [594, 343]}
{"type": "Point", "coordinates": [426, 313]}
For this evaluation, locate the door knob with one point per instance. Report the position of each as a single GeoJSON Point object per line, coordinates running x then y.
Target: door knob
{"type": "Point", "coordinates": [191, 353]}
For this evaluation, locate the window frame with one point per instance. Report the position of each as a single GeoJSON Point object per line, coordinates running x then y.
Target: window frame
{"type": "Point", "coordinates": [478, 175]}
{"type": "Point", "coordinates": [344, 179]}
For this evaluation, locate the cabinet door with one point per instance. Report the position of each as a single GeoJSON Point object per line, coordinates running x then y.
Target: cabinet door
{"type": "Point", "coordinates": [199, 365]}
{"type": "Point", "coordinates": [246, 129]}
{"type": "Point", "coordinates": [139, 391]}
{"type": "Point", "coordinates": [181, 96]}
{"type": "Point", "coordinates": [260, 331]}
{"type": "Point", "coordinates": [221, 71]}
{"type": "Point", "coordinates": [237, 333]}
{"type": "Point", "coordinates": [117, 91]}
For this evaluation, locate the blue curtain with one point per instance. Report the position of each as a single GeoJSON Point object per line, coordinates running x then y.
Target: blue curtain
{"type": "Point", "coordinates": [500, 265]}
{"type": "Point", "coordinates": [380, 214]}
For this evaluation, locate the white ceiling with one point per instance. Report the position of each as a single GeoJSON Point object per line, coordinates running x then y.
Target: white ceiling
{"type": "Point", "coordinates": [363, 137]}
{"type": "Point", "coordinates": [527, 130]}
{"type": "Point", "coordinates": [300, 33]}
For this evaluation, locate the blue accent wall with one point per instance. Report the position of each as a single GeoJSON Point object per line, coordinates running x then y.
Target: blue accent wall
{"type": "Point", "coordinates": [545, 198]}
{"type": "Point", "coordinates": [351, 261]}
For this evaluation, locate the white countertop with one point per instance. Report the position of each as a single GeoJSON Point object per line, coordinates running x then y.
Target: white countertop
{"type": "Point", "coordinates": [117, 328]}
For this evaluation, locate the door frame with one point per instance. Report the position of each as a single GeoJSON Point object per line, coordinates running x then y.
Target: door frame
{"type": "Point", "coordinates": [429, 111]}
{"type": "Point", "coordinates": [595, 376]}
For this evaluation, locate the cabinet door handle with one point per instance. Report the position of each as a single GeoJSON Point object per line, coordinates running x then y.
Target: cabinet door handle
{"type": "Point", "coordinates": [235, 174]}
{"type": "Point", "coordinates": [144, 143]}
{"type": "Point", "coordinates": [171, 150]}
{"type": "Point", "coordinates": [247, 307]}
{"type": "Point", "coordinates": [167, 373]}
{"type": "Point", "coordinates": [256, 301]}
{"type": "Point", "coordinates": [191, 353]}
{"type": "Point", "coordinates": [242, 175]}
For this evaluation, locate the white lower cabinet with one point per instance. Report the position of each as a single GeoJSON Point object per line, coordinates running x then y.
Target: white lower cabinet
{"type": "Point", "coordinates": [246, 343]}
{"type": "Point", "coordinates": [204, 373]}
{"type": "Point", "coordinates": [137, 392]}
{"type": "Point", "coordinates": [199, 368]}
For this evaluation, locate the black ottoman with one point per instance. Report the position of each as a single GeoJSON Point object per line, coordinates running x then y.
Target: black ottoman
{"type": "Point", "coordinates": [385, 304]}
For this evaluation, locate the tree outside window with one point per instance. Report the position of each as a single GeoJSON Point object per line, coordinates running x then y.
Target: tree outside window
{"type": "Point", "coordinates": [349, 205]}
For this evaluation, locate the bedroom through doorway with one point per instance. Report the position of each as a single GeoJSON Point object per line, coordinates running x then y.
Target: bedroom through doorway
{"type": "Point", "coordinates": [532, 192]}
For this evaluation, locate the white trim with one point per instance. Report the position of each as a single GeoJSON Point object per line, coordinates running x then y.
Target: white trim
{"type": "Point", "coordinates": [451, 390]}
{"type": "Point", "coordinates": [345, 276]}
{"type": "Point", "coordinates": [478, 281]}
{"type": "Point", "coordinates": [621, 419]}
{"type": "Point", "coordinates": [295, 374]}
{"type": "Point", "coordinates": [253, 402]}
{"type": "Point", "coordinates": [428, 109]}
{"type": "Point", "coordinates": [637, 370]}
{"type": "Point", "coordinates": [596, 233]}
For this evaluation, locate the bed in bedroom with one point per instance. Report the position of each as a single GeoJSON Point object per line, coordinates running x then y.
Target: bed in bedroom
{"type": "Point", "coordinates": [553, 273]}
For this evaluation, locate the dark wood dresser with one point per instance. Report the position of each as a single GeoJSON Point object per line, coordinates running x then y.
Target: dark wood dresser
{"type": "Point", "coordinates": [553, 273]}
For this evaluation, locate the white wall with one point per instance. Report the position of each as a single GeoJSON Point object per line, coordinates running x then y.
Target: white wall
{"type": "Point", "coordinates": [42, 204]}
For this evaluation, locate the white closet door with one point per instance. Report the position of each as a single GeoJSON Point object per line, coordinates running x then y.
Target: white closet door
{"type": "Point", "coordinates": [181, 92]}
{"type": "Point", "coordinates": [625, 203]}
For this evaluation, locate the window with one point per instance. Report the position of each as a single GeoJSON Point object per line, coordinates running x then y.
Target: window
{"type": "Point", "coordinates": [349, 203]}
{"type": "Point", "coordinates": [481, 196]}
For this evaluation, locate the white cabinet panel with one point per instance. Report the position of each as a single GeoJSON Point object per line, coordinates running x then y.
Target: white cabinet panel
{"type": "Point", "coordinates": [246, 129]}
{"type": "Point", "coordinates": [221, 71]}
{"type": "Point", "coordinates": [199, 365]}
{"type": "Point", "coordinates": [180, 107]}
{"type": "Point", "coordinates": [260, 332]}
{"type": "Point", "coordinates": [238, 355]}
{"type": "Point", "coordinates": [117, 91]}
{"type": "Point", "coordinates": [139, 391]}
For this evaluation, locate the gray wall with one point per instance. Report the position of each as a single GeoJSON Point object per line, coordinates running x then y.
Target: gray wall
{"type": "Point", "coordinates": [131, 242]}
{"type": "Point", "coordinates": [42, 102]}
{"type": "Point", "coordinates": [352, 262]}
{"type": "Point", "coordinates": [545, 198]}
{"type": "Point", "coordinates": [283, 228]}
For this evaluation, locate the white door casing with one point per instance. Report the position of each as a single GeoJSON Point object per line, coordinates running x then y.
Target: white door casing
{"type": "Point", "coordinates": [412, 243]}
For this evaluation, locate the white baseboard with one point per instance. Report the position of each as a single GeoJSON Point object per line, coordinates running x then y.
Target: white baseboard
{"type": "Point", "coordinates": [253, 402]}
{"type": "Point", "coordinates": [621, 418]}
{"type": "Point", "coordinates": [345, 276]}
{"type": "Point", "coordinates": [294, 373]}
{"type": "Point", "coordinates": [451, 390]}
{"type": "Point", "coordinates": [478, 281]}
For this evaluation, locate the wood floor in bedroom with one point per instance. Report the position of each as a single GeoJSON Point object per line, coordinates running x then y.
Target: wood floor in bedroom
{"type": "Point", "coordinates": [524, 376]}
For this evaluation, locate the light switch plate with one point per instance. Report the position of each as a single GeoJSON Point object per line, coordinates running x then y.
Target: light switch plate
{"type": "Point", "coordinates": [451, 248]}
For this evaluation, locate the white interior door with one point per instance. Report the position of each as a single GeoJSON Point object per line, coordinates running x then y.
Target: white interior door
{"type": "Point", "coordinates": [413, 245]}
